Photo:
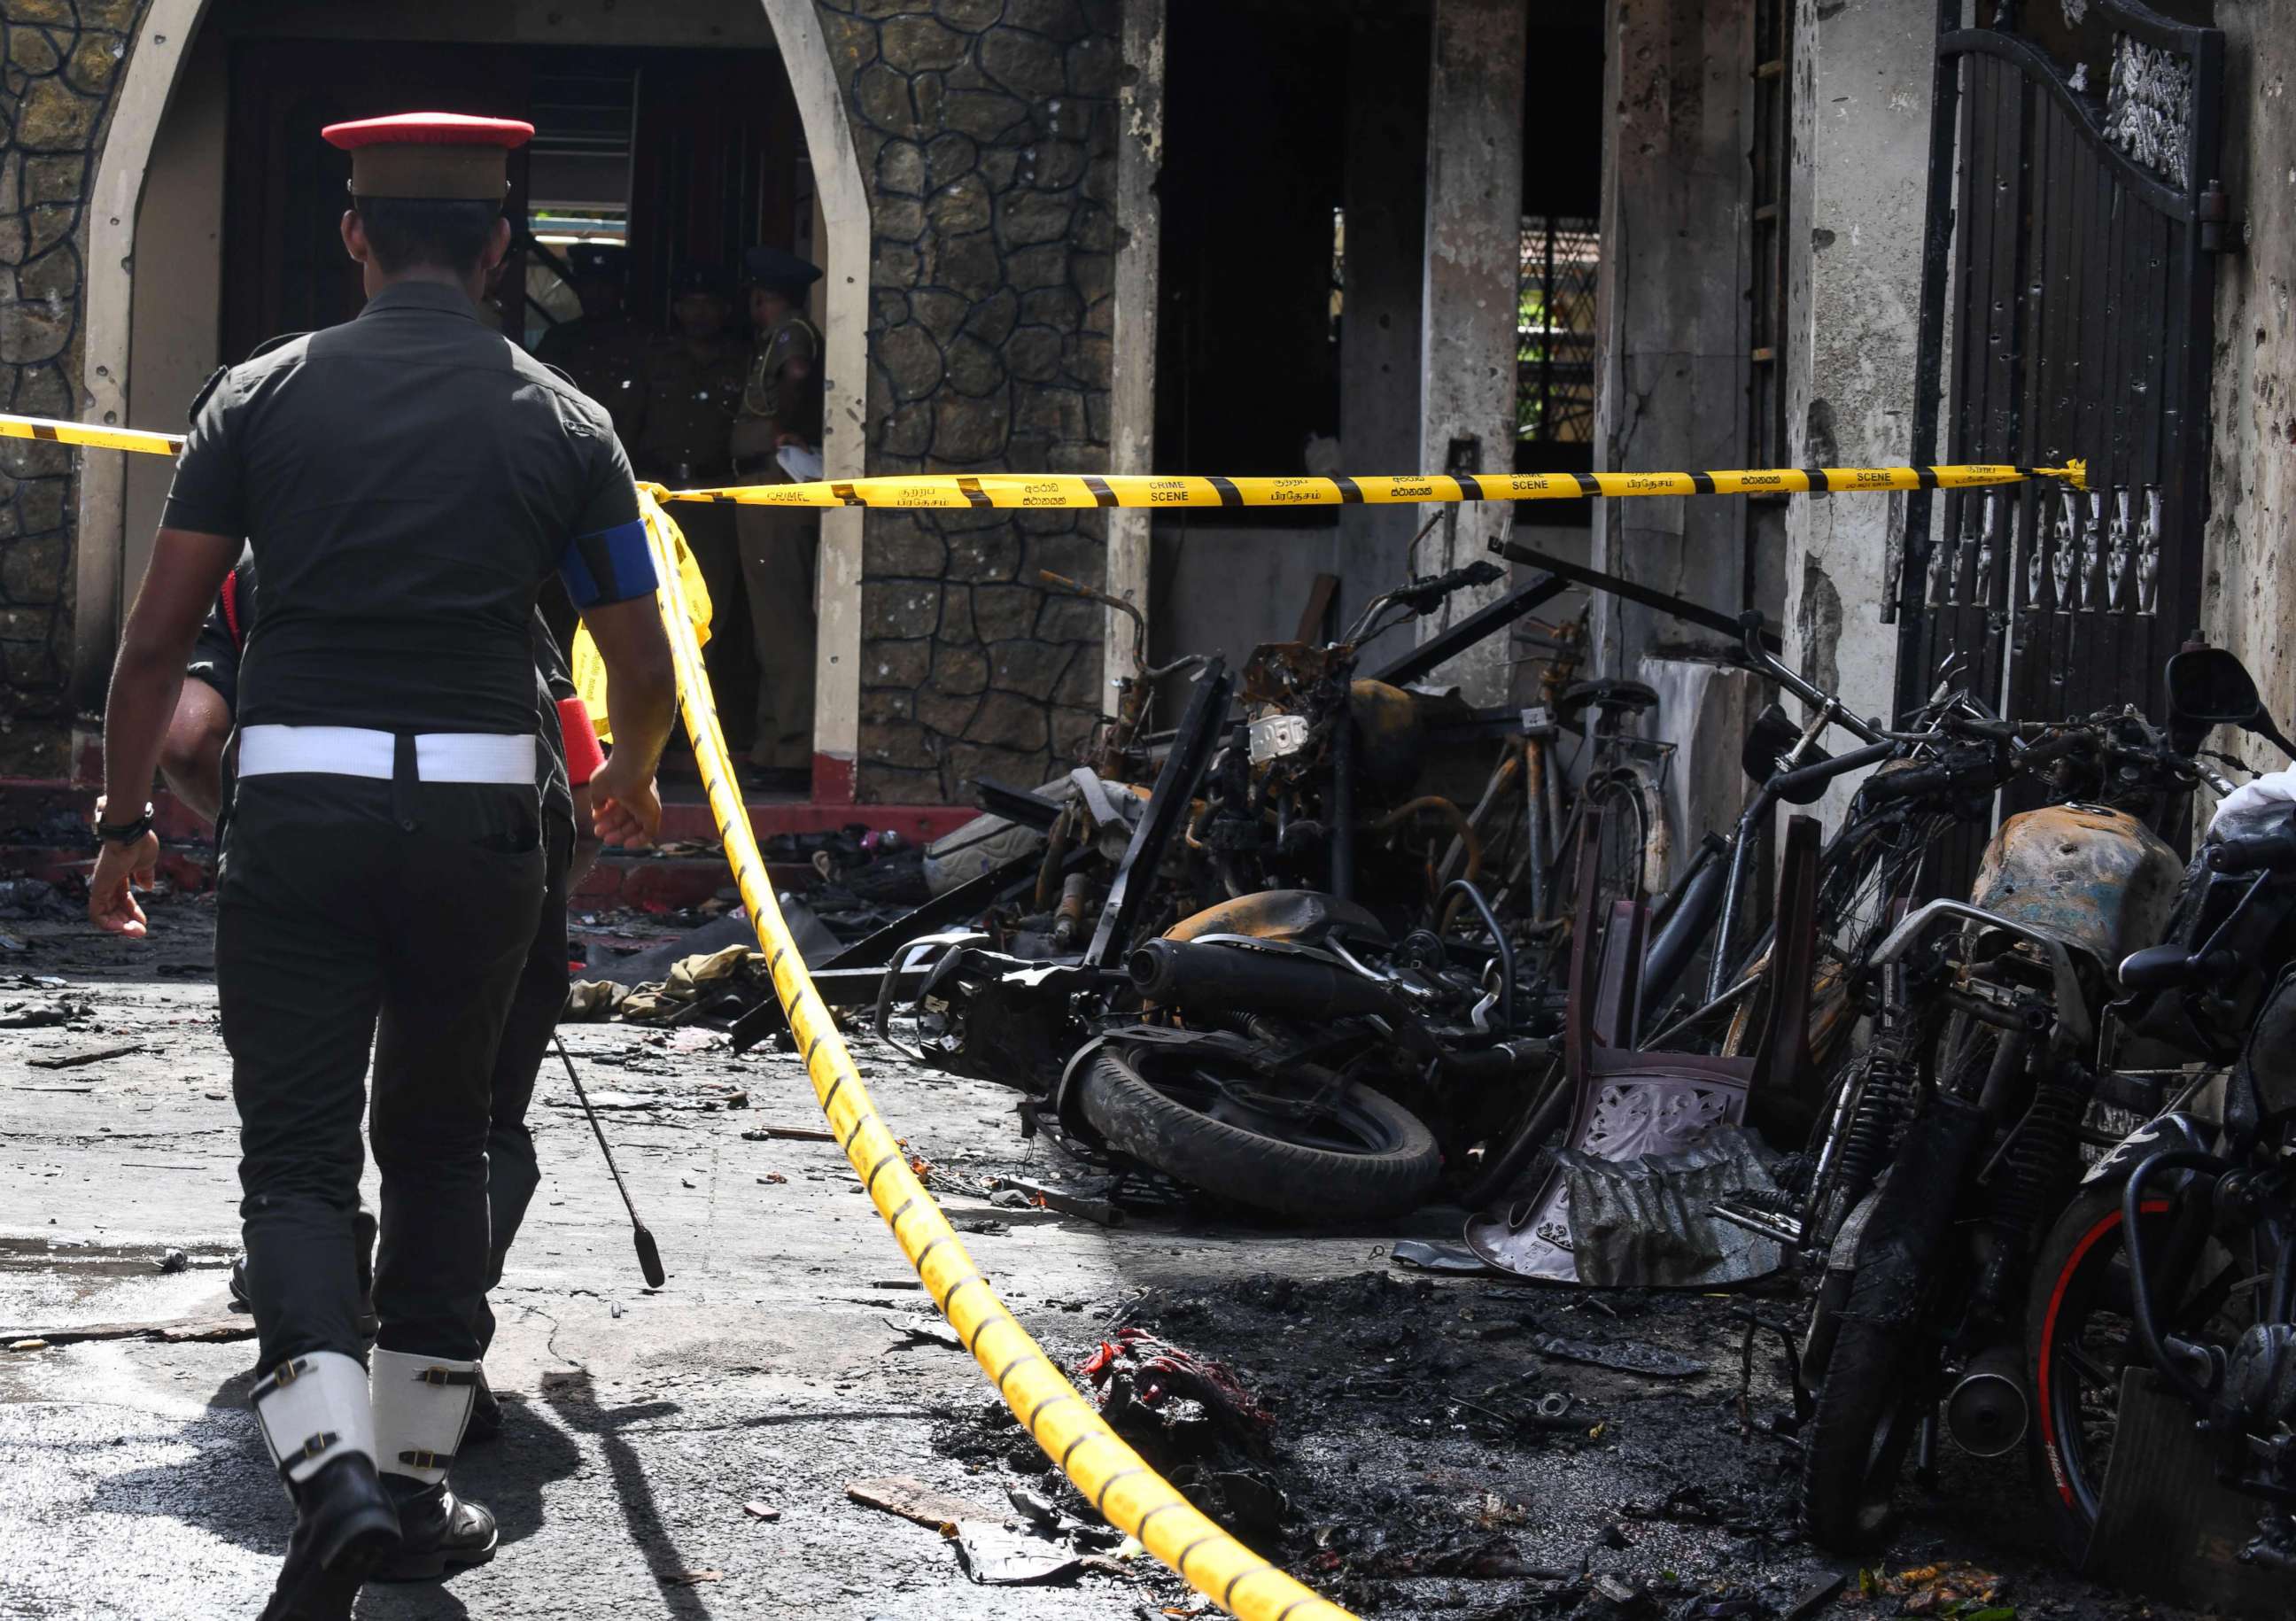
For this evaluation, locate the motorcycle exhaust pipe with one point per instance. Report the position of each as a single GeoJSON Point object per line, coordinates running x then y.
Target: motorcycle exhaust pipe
{"type": "Point", "coordinates": [1227, 979]}
{"type": "Point", "coordinates": [1987, 1412]}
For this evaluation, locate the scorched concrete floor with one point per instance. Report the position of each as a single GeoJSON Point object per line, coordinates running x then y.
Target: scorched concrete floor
{"type": "Point", "coordinates": [774, 1369]}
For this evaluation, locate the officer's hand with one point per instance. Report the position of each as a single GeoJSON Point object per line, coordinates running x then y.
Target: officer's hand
{"type": "Point", "coordinates": [625, 813]}
{"type": "Point", "coordinates": [110, 897]}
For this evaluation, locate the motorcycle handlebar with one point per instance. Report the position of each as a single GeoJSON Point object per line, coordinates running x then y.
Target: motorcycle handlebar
{"type": "Point", "coordinates": [2275, 851]}
{"type": "Point", "coordinates": [1914, 783]}
{"type": "Point", "coordinates": [1783, 784]}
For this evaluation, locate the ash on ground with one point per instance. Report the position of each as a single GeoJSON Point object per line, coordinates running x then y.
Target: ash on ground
{"type": "Point", "coordinates": [1457, 1447]}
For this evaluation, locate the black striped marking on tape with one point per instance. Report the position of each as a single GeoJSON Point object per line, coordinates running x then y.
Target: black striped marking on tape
{"type": "Point", "coordinates": [1101, 495]}
{"type": "Point", "coordinates": [1703, 483]}
{"type": "Point", "coordinates": [1100, 1500]}
{"type": "Point", "coordinates": [1350, 492]}
{"type": "Point", "coordinates": [1588, 485]}
{"type": "Point", "coordinates": [974, 494]}
{"type": "Point", "coordinates": [1228, 493]}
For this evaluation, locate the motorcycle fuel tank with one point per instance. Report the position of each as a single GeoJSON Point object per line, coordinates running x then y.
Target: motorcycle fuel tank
{"type": "Point", "coordinates": [2099, 881]}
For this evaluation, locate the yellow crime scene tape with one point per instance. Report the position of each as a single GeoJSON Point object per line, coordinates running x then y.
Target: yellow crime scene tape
{"type": "Point", "coordinates": [1062, 1420]}
{"type": "Point", "coordinates": [1039, 490]}
{"type": "Point", "coordinates": [94, 437]}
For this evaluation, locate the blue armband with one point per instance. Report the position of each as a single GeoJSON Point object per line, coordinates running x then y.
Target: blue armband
{"type": "Point", "coordinates": [612, 566]}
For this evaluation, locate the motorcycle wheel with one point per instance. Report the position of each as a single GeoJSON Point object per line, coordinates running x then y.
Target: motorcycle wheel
{"type": "Point", "coordinates": [1363, 1155]}
{"type": "Point", "coordinates": [2079, 1336]}
{"type": "Point", "coordinates": [1854, 1446]}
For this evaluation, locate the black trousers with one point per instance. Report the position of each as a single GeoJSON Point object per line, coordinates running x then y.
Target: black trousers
{"type": "Point", "coordinates": [352, 912]}
{"type": "Point", "coordinates": [536, 1007]}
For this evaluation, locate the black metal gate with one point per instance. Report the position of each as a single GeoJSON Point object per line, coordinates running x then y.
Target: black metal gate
{"type": "Point", "coordinates": [2077, 220]}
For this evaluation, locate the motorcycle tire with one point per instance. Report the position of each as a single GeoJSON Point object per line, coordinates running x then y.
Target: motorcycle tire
{"type": "Point", "coordinates": [1853, 1446]}
{"type": "Point", "coordinates": [2075, 1293]}
{"type": "Point", "coordinates": [1391, 1168]}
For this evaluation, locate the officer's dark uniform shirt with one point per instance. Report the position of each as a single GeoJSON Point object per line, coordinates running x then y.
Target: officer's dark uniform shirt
{"type": "Point", "coordinates": [406, 481]}
{"type": "Point", "coordinates": [606, 356]}
{"type": "Point", "coordinates": [221, 642]}
{"type": "Point", "coordinates": [689, 404]}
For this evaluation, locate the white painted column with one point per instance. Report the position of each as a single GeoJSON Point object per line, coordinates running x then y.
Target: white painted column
{"type": "Point", "coordinates": [1467, 347]}
{"type": "Point", "coordinates": [99, 534]}
{"type": "Point", "coordinates": [844, 203]}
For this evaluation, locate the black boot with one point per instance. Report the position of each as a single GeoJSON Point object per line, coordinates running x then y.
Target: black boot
{"type": "Point", "coordinates": [314, 1413]}
{"type": "Point", "coordinates": [422, 1407]}
{"type": "Point", "coordinates": [439, 1533]}
{"type": "Point", "coordinates": [345, 1526]}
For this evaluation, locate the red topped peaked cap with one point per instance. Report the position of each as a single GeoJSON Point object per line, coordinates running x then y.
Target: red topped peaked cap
{"type": "Point", "coordinates": [449, 156]}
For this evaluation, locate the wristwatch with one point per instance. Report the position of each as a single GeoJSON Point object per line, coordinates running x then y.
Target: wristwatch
{"type": "Point", "coordinates": [124, 832]}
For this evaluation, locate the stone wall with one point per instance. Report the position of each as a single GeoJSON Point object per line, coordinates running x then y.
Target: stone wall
{"type": "Point", "coordinates": [987, 132]}
{"type": "Point", "coordinates": [63, 61]}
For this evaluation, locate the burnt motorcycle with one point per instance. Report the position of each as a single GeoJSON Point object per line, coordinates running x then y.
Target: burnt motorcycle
{"type": "Point", "coordinates": [1961, 1138]}
{"type": "Point", "coordinates": [1282, 1003]}
{"type": "Point", "coordinates": [2160, 1332]}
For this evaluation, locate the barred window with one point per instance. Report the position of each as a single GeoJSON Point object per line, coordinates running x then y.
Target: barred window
{"type": "Point", "coordinates": [1555, 330]}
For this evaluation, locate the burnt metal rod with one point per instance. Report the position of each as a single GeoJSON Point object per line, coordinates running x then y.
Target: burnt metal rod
{"type": "Point", "coordinates": [1167, 806]}
{"type": "Point", "coordinates": [1343, 806]}
{"type": "Point", "coordinates": [1448, 644]}
{"type": "Point", "coordinates": [1666, 603]}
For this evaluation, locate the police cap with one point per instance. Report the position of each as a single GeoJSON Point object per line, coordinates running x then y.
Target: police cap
{"type": "Point", "coordinates": [783, 273]}
{"type": "Point", "coordinates": [433, 156]}
{"type": "Point", "coordinates": [597, 261]}
{"type": "Point", "coordinates": [698, 276]}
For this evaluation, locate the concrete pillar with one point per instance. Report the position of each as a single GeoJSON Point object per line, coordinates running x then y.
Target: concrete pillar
{"type": "Point", "coordinates": [1132, 366]}
{"type": "Point", "coordinates": [2248, 569]}
{"type": "Point", "coordinates": [1671, 364]}
{"type": "Point", "coordinates": [1860, 163]}
{"type": "Point", "coordinates": [1384, 204]}
{"type": "Point", "coordinates": [1467, 343]}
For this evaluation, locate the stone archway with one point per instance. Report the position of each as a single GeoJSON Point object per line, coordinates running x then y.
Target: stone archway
{"type": "Point", "coordinates": [149, 82]}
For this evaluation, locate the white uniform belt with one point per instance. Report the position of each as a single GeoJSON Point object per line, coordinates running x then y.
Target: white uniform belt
{"type": "Point", "coordinates": [355, 751]}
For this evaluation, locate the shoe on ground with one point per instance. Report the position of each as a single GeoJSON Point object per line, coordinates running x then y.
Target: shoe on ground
{"type": "Point", "coordinates": [438, 1533]}
{"type": "Point", "coordinates": [421, 1412]}
{"type": "Point", "coordinates": [346, 1526]}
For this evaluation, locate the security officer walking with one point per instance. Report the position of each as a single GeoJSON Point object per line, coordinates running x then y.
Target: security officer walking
{"type": "Point", "coordinates": [406, 482]}
{"type": "Point", "coordinates": [781, 407]}
{"type": "Point", "coordinates": [191, 762]}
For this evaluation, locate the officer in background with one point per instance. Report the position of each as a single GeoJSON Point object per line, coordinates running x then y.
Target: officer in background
{"type": "Point", "coordinates": [406, 482]}
{"type": "Point", "coordinates": [781, 409]}
{"type": "Point", "coordinates": [692, 380]}
{"type": "Point", "coordinates": [600, 349]}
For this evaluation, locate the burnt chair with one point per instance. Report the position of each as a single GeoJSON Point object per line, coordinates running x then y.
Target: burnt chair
{"type": "Point", "coordinates": [1627, 1103]}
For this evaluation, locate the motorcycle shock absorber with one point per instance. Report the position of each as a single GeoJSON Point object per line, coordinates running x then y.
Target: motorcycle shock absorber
{"type": "Point", "coordinates": [2030, 1174]}
{"type": "Point", "coordinates": [1885, 1106]}
{"type": "Point", "coordinates": [2041, 1156]}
